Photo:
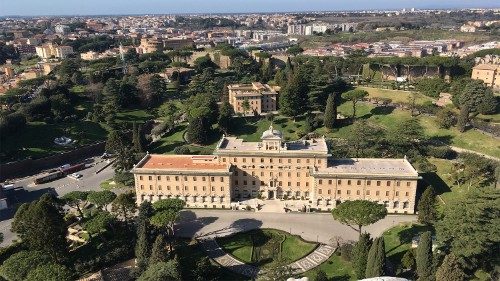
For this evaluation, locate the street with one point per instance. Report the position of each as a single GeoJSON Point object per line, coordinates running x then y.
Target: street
{"type": "Point", "coordinates": [89, 181]}
{"type": "Point", "coordinates": [319, 227]}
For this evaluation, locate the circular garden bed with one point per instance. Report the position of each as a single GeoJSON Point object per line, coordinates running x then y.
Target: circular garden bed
{"type": "Point", "coordinates": [260, 247]}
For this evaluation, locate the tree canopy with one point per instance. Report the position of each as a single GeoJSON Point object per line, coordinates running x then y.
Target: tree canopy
{"type": "Point", "coordinates": [359, 213]}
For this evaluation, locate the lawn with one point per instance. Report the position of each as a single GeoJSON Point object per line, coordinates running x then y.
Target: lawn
{"type": "Point", "coordinates": [397, 96]}
{"type": "Point", "coordinates": [135, 115]}
{"type": "Point", "coordinates": [398, 239]}
{"type": "Point", "coordinates": [335, 268]}
{"type": "Point", "coordinates": [37, 139]}
{"type": "Point", "coordinates": [251, 129]}
{"type": "Point", "coordinates": [170, 141]}
{"type": "Point", "coordinates": [262, 246]}
{"type": "Point", "coordinates": [110, 184]}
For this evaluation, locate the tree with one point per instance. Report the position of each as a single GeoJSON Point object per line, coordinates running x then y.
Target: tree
{"type": "Point", "coordinates": [476, 98]}
{"type": "Point", "coordinates": [445, 118]}
{"type": "Point", "coordinates": [364, 136]}
{"type": "Point", "coordinates": [100, 221]}
{"type": "Point", "coordinates": [41, 225]}
{"type": "Point", "coordinates": [294, 50]}
{"type": "Point", "coordinates": [142, 246]}
{"type": "Point", "coordinates": [162, 271]}
{"type": "Point", "coordinates": [424, 257]}
{"type": "Point", "coordinates": [359, 213]}
{"type": "Point", "coordinates": [158, 252]}
{"type": "Point", "coordinates": [19, 265]}
{"type": "Point", "coordinates": [246, 106]}
{"type": "Point", "coordinates": [101, 198]}
{"type": "Point", "coordinates": [197, 130]}
{"type": "Point", "coordinates": [426, 207]}
{"type": "Point", "coordinates": [408, 260]}
{"type": "Point", "coordinates": [204, 270]}
{"type": "Point", "coordinates": [293, 96]}
{"type": "Point", "coordinates": [360, 254]}
{"type": "Point", "coordinates": [407, 135]}
{"type": "Point", "coordinates": [225, 117]}
{"type": "Point", "coordinates": [376, 263]}
{"type": "Point", "coordinates": [137, 140]}
{"type": "Point", "coordinates": [469, 227]}
{"type": "Point", "coordinates": [124, 204]}
{"type": "Point", "coordinates": [451, 270]}
{"type": "Point", "coordinates": [431, 87]}
{"type": "Point", "coordinates": [50, 271]}
{"type": "Point", "coordinates": [330, 112]}
{"type": "Point", "coordinates": [75, 199]}
{"type": "Point", "coordinates": [320, 276]}
{"type": "Point", "coordinates": [479, 171]}
{"type": "Point", "coordinates": [355, 96]}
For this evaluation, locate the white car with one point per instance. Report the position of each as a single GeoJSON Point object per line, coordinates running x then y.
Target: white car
{"type": "Point", "coordinates": [75, 176]}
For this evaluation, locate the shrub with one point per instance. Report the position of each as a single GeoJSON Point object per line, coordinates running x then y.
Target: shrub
{"type": "Point", "coordinates": [441, 152]}
{"type": "Point", "coordinates": [182, 150]}
{"type": "Point", "coordinates": [346, 251]}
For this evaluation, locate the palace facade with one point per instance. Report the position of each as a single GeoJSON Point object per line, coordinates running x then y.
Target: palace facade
{"type": "Point", "coordinates": [275, 169]}
{"type": "Point", "coordinates": [260, 97]}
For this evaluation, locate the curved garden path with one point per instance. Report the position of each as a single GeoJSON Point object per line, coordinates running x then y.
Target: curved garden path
{"type": "Point", "coordinates": [216, 253]}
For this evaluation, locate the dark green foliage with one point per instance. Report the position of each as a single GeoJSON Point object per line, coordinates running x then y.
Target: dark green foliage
{"type": "Point", "coordinates": [427, 213]}
{"type": "Point", "coordinates": [204, 270]}
{"type": "Point", "coordinates": [101, 198]}
{"type": "Point", "coordinates": [182, 150]}
{"type": "Point", "coordinates": [445, 118]}
{"type": "Point", "coordinates": [197, 130]}
{"type": "Point", "coordinates": [359, 213]}
{"type": "Point", "coordinates": [204, 62]}
{"type": "Point", "coordinates": [376, 259]}
{"type": "Point", "coordinates": [441, 152]}
{"type": "Point", "coordinates": [451, 270]}
{"type": "Point", "coordinates": [424, 257]}
{"type": "Point", "coordinates": [330, 112]}
{"type": "Point", "coordinates": [431, 87]}
{"type": "Point", "coordinates": [408, 260]}
{"type": "Point", "coordinates": [158, 252]}
{"type": "Point", "coordinates": [355, 96]}
{"type": "Point", "coordinates": [360, 254]}
{"type": "Point", "coordinates": [320, 276]}
{"type": "Point", "coordinates": [293, 97]}
{"type": "Point", "coordinates": [11, 123]}
{"type": "Point", "coordinates": [75, 199]}
{"type": "Point", "coordinates": [41, 225]}
{"type": "Point", "coordinates": [142, 246]}
{"type": "Point", "coordinates": [124, 205]}
{"type": "Point", "coordinates": [346, 251]}
{"type": "Point", "coordinates": [469, 228]}
{"type": "Point", "coordinates": [99, 221]}
{"type": "Point", "coordinates": [50, 271]}
{"type": "Point", "coordinates": [162, 271]}
{"type": "Point", "coordinates": [294, 50]}
{"type": "Point", "coordinates": [225, 117]}
{"type": "Point", "coordinates": [363, 137]}
{"type": "Point", "coordinates": [137, 139]}
{"type": "Point", "coordinates": [19, 265]}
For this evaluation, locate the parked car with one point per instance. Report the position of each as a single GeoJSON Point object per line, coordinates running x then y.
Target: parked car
{"type": "Point", "coordinates": [75, 176]}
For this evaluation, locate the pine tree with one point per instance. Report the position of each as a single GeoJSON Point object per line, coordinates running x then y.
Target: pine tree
{"type": "Point", "coordinates": [330, 112]}
{"type": "Point", "coordinates": [376, 259]}
{"type": "Point", "coordinates": [197, 131]}
{"type": "Point", "coordinates": [158, 251]}
{"type": "Point", "coordinates": [451, 269]}
{"type": "Point", "coordinates": [225, 117]}
{"type": "Point", "coordinates": [137, 138]}
{"type": "Point", "coordinates": [360, 253]}
{"type": "Point", "coordinates": [427, 213]}
{"type": "Point", "coordinates": [293, 98]}
{"type": "Point", "coordinates": [424, 257]}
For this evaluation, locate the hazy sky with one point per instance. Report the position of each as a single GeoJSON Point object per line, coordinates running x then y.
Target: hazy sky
{"type": "Point", "coordinates": [100, 7]}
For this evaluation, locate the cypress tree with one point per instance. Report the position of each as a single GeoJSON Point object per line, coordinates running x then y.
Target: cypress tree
{"type": "Point", "coordinates": [330, 112]}
{"type": "Point", "coordinates": [158, 250]}
{"type": "Point", "coordinates": [376, 259]}
{"type": "Point", "coordinates": [360, 253]}
{"type": "Point", "coordinates": [136, 138]}
{"type": "Point", "coordinates": [424, 257]}
{"type": "Point", "coordinates": [142, 247]}
{"type": "Point", "coordinates": [426, 207]}
{"type": "Point", "coordinates": [451, 270]}
{"type": "Point", "coordinates": [197, 130]}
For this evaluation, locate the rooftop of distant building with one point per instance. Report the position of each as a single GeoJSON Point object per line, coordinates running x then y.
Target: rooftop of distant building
{"type": "Point", "coordinates": [370, 166]}
{"type": "Point", "coordinates": [181, 162]}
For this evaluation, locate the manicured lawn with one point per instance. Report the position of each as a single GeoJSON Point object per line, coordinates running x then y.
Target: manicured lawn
{"type": "Point", "coordinates": [335, 268]}
{"type": "Point", "coordinates": [37, 139]}
{"type": "Point", "coordinates": [136, 115]}
{"type": "Point", "coordinates": [397, 96]}
{"type": "Point", "coordinates": [110, 184]}
{"type": "Point", "coordinates": [398, 239]}
{"type": "Point", "coordinates": [169, 142]}
{"type": "Point", "coordinates": [262, 246]}
{"type": "Point", "coordinates": [251, 128]}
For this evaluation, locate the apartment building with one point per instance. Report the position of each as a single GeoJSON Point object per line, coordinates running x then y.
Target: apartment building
{"type": "Point", "coordinates": [488, 73]}
{"type": "Point", "coordinates": [273, 169]}
{"type": "Point", "coordinates": [255, 98]}
{"type": "Point", "coordinates": [49, 50]}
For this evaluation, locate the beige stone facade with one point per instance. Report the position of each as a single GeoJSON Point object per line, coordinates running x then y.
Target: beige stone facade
{"type": "Point", "coordinates": [274, 169]}
{"type": "Point", "coordinates": [488, 73]}
{"type": "Point", "coordinates": [260, 97]}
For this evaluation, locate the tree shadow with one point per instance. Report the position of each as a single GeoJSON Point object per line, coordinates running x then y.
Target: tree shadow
{"type": "Point", "coordinates": [382, 110]}
{"type": "Point", "coordinates": [241, 225]}
{"type": "Point", "coordinates": [439, 185]}
{"type": "Point", "coordinates": [340, 278]}
{"type": "Point", "coordinates": [441, 140]}
{"type": "Point", "coordinates": [19, 196]}
{"type": "Point", "coordinates": [188, 223]}
{"type": "Point", "coordinates": [240, 127]}
{"type": "Point", "coordinates": [406, 235]}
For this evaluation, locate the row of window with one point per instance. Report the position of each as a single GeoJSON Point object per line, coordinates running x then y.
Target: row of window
{"type": "Point", "coordinates": [358, 192]}
{"type": "Point", "coordinates": [386, 204]}
{"type": "Point", "coordinates": [203, 199]}
{"type": "Point", "coordinates": [186, 188]}
{"type": "Point", "coordinates": [280, 174]}
{"type": "Point", "coordinates": [368, 182]}
{"type": "Point", "coordinates": [270, 160]}
{"type": "Point", "coordinates": [176, 178]}
{"type": "Point", "coordinates": [280, 183]}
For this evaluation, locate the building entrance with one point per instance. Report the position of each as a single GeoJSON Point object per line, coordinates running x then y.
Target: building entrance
{"type": "Point", "coordinates": [270, 194]}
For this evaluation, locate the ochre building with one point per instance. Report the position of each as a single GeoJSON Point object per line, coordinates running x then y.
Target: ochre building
{"type": "Point", "coordinates": [273, 169]}
{"type": "Point", "coordinates": [260, 98]}
{"type": "Point", "coordinates": [488, 73]}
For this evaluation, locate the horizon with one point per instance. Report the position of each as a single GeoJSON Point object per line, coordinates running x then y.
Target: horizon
{"type": "Point", "coordinates": [63, 8]}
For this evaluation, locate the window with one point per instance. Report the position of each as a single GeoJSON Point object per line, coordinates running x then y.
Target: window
{"type": "Point", "coordinates": [307, 183]}
{"type": "Point", "coordinates": [185, 188]}
{"type": "Point", "coordinates": [195, 188]}
{"type": "Point", "coordinates": [235, 182]}
{"type": "Point", "coordinates": [377, 193]}
{"type": "Point", "coordinates": [185, 178]}
{"type": "Point", "coordinates": [150, 187]}
{"type": "Point", "coordinates": [298, 161]}
{"type": "Point", "coordinates": [261, 160]}
{"type": "Point", "coordinates": [177, 188]}
{"type": "Point", "coordinates": [140, 177]}
{"type": "Point", "coordinates": [407, 183]}
{"type": "Point", "coordinates": [358, 182]}
{"type": "Point", "coordinates": [368, 182]}
{"type": "Point", "coordinates": [357, 192]}
{"type": "Point", "coordinates": [319, 191]}
{"type": "Point", "coordinates": [398, 183]}
{"type": "Point", "coordinates": [396, 204]}
{"type": "Point", "coordinates": [221, 179]}
{"type": "Point", "coordinates": [194, 178]}
{"type": "Point", "coordinates": [223, 159]}
{"type": "Point", "coordinates": [388, 183]}
{"type": "Point", "coordinates": [168, 187]}
{"type": "Point", "coordinates": [213, 188]}
{"type": "Point", "coordinates": [142, 187]}
{"type": "Point", "coordinates": [253, 160]}
{"type": "Point", "coordinates": [168, 178]}
{"type": "Point", "coordinates": [158, 178]}
{"type": "Point", "coordinates": [150, 177]}
{"type": "Point", "coordinates": [244, 160]}
{"type": "Point", "coordinates": [298, 174]}
{"type": "Point", "coordinates": [298, 183]}
{"type": "Point", "coordinates": [289, 161]}
{"type": "Point", "coordinates": [406, 193]}
{"type": "Point", "coordinates": [367, 192]}
{"type": "Point", "coordinates": [235, 160]}
{"type": "Point", "coordinates": [289, 174]}
{"type": "Point", "coordinates": [221, 188]}
{"type": "Point", "coordinates": [235, 173]}
{"type": "Point", "coordinates": [339, 181]}
{"type": "Point", "coordinates": [387, 193]}
{"type": "Point", "coordinates": [378, 183]}
{"type": "Point", "coordinates": [348, 192]}
{"type": "Point", "coordinates": [204, 188]}
{"type": "Point", "coordinates": [212, 178]}
{"type": "Point", "coordinates": [159, 187]}
{"type": "Point", "coordinates": [279, 160]}
{"type": "Point", "coordinates": [244, 182]}
{"type": "Point", "coordinates": [289, 184]}
{"type": "Point", "coordinates": [339, 192]}
{"type": "Point", "coordinates": [307, 161]}
{"type": "Point", "coordinates": [329, 191]}
{"type": "Point", "coordinates": [348, 182]}
{"type": "Point", "coordinates": [397, 193]}
{"type": "Point", "coordinates": [405, 205]}
{"type": "Point", "coordinates": [329, 181]}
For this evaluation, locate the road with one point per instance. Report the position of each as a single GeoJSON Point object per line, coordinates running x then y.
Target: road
{"type": "Point", "coordinates": [319, 227]}
{"type": "Point", "coordinates": [30, 192]}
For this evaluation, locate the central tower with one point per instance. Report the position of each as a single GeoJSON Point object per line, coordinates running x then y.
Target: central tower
{"type": "Point", "coordinates": [272, 139]}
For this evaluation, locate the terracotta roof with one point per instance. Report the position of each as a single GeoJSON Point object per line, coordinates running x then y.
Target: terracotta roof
{"type": "Point", "coordinates": [183, 162]}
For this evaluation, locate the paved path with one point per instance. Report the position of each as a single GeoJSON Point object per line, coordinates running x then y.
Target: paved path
{"type": "Point", "coordinates": [318, 227]}
{"type": "Point", "coordinates": [462, 150]}
{"type": "Point", "coordinates": [215, 252]}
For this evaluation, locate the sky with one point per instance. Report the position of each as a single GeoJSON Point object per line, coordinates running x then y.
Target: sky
{"type": "Point", "coordinates": [112, 7]}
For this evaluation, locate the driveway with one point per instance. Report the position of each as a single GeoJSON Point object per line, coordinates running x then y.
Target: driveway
{"type": "Point", "coordinates": [320, 227]}
{"type": "Point", "coordinates": [29, 192]}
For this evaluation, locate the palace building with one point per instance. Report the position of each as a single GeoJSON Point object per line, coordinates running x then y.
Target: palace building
{"type": "Point", "coordinates": [273, 169]}
{"type": "Point", "coordinates": [260, 97]}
